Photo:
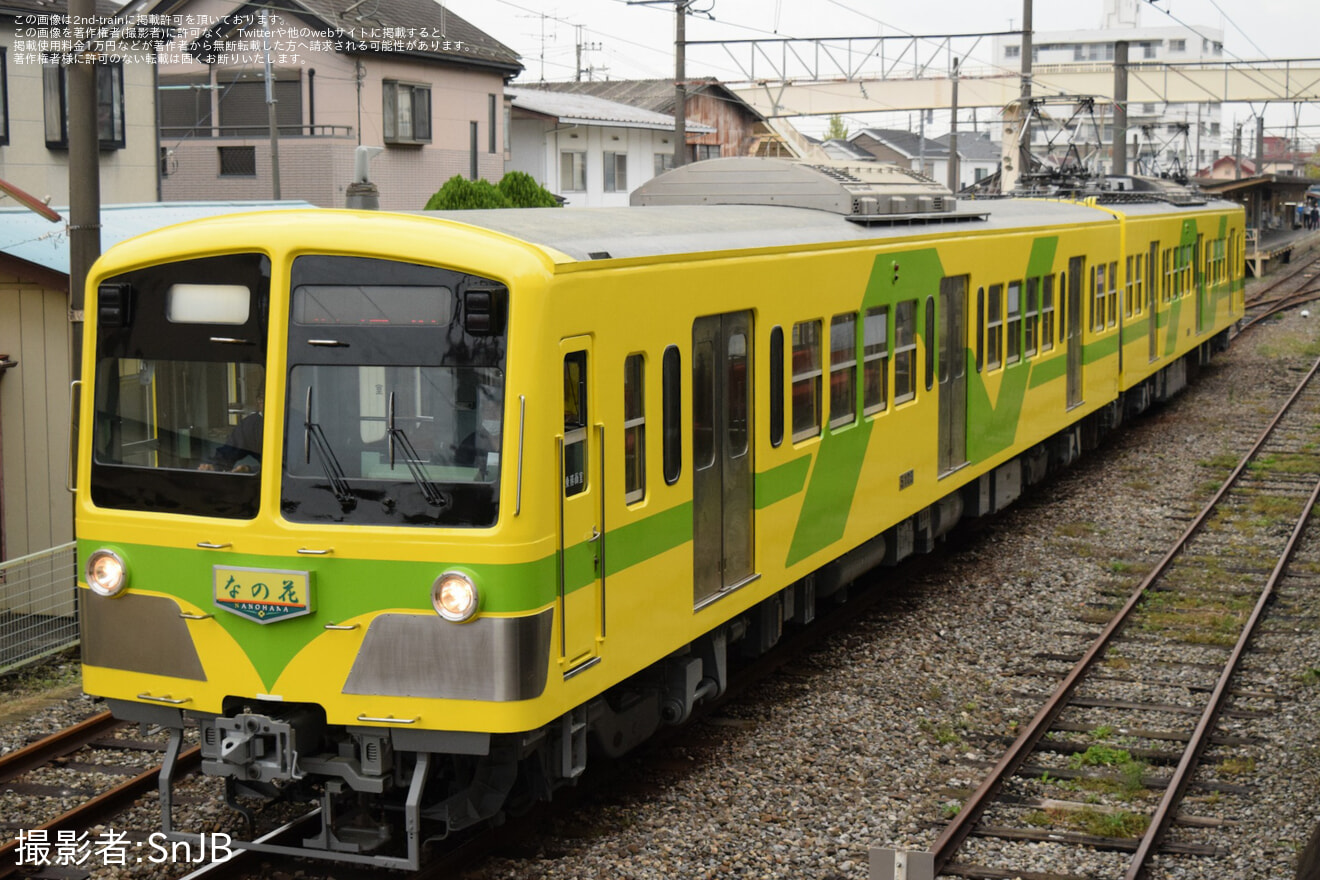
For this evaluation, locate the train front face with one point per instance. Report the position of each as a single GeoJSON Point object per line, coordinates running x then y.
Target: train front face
{"type": "Point", "coordinates": [296, 487]}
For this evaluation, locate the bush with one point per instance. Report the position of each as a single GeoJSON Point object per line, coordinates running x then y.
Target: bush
{"type": "Point", "coordinates": [522, 191]}
{"type": "Point", "coordinates": [461, 194]}
{"type": "Point", "coordinates": [517, 189]}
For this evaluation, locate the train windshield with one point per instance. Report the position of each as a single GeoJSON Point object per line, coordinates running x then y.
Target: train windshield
{"type": "Point", "coordinates": [179, 387]}
{"type": "Point", "coordinates": [395, 394]}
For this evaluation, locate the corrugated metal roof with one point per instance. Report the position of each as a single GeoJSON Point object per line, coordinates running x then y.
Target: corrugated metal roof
{"type": "Point", "coordinates": [906, 142]}
{"type": "Point", "coordinates": [36, 240]}
{"type": "Point", "coordinates": [656, 95]}
{"type": "Point", "coordinates": [569, 108]}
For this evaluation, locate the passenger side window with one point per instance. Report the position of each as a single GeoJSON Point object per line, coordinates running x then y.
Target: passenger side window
{"type": "Point", "coordinates": [1031, 316]}
{"type": "Point", "coordinates": [1014, 322]}
{"type": "Point", "coordinates": [905, 351]}
{"type": "Point", "coordinates": [672, 407]}
{"type": "Point", "coordinates": [875, 359]}
{"type": "Point", "coordinates": [776, 386]}
{"type": "Point", "coordinates": [843, 370]}
{"type": "Point", "coordinates": [634, 429]}
{"type": "Point", "coordinates": [994, 326]}
{"type": "Point", "coordinates": [1047, 313]}
{"type": "Point", "coordinates": [806, 380]}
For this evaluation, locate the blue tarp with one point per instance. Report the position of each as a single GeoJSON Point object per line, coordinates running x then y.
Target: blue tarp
{"type": "Point", "coordinates": [31, 237]}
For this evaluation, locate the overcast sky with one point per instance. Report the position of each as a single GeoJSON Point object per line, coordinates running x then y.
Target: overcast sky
{"type": "Point", "coordinates": [625, 41]}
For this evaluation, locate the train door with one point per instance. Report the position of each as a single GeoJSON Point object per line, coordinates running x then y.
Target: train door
{"type": "Point", "coordinates": [581, 579]}
{"type": "Point", "coordinates": [953, 373]}
{"type": "Point", "coordinates": [1076, 272]}
{"type": "Point", "coordinates": [1153, 299]}
{"type": "Point", "coordinates": [722, 481]}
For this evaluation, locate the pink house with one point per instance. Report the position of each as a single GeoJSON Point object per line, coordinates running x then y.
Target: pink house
{"type": "Point", "coordinates": [407, 76]}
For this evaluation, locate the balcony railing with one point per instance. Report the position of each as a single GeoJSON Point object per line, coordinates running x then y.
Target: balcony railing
{"type": "Point", "coordinates": [177, 133]}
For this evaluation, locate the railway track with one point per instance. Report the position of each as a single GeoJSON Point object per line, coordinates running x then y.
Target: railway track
{"type": "Point", "coordinates": [1299, 286]}
{"type": "Point", "coordinates": [91, 751]}
{"type": "Point", "coordinates": [1108, 759]}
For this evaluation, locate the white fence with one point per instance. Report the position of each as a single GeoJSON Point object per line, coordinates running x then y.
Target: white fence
{"type": "Point", "coordinates": [38, 605]}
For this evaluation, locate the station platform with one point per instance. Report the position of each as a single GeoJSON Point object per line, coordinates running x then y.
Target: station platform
{"type": "Point", "coordinates": [1277, 245]}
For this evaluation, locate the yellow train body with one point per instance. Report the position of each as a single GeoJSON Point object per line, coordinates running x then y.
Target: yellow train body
{"type": "Point", "coordinates": [802, 357]}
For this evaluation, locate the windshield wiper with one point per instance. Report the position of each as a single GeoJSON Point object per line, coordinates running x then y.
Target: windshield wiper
{"type": "Point", "coordinates": [430, 491]}
{"type": "Point", "coordinates": [334, 473]}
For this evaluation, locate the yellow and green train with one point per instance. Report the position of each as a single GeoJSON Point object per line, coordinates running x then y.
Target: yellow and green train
{"type": "Point", "coordinates": [409, 512]}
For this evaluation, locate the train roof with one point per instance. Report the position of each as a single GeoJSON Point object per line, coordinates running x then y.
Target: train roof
{"type": "Point", "coordinates": [581, 234]}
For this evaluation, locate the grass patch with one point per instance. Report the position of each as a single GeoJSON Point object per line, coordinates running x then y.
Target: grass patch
{"type": "Point", "coordinates": [1075, 529]}
{"type": "Point", "coordinates": [1237, 766]}
{"type": "Point", "coordinates": [1100, 756]}
{"type": "Point", "coordinates": [1310, 677]}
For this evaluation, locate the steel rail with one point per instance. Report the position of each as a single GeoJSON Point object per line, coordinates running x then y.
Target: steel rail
{"type": "Point", "coordinates": [98, 808]}
{"type": "Point", "coordinates": [1182, 775]}
{"type": "Point", "coordinates": [1259, 293]}
{"type": "Point", "coordinates": [57, 745]}
{"type": "Point", "coordinates": [957, 831]}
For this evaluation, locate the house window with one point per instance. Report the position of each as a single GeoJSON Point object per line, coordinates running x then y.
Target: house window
{"type": "Point", "coordinates": [704, 151]}
{"type": "Point", "coordinates": [806, 380]}
{"type": "Point", "coordinates": [490, 123]}
{"type": "Point", "coordinates": [1012, 51]}
{"type": "Point", "coordinates": [244, 112]}
{"type": "Point", "coordinates": [572, 171]}
{"type": "Point", "coordinates": [472, 150]}
{"type": "Point", "coordinates": [634, 430]}
{"type": "Point", "coordinates": [238, 161]}
{"type": "Point", "coordinates": [616, 172]}
{"type": "Point", "coordinates": [109, 105]}
{"type": "Point", "coordinates": [1177, 45]}
{"type": "Point", "coordinates": [663, 162]}
{"type": "Point", "coordinates": [407, 111]}
{"type": "Point", "coordinates": [4, 99]}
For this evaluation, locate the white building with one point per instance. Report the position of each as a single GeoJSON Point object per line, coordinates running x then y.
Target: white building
{"type": "Point", "coordinates": [588, 150]}
{"type": "Point", "coordinates": [1159, 126]}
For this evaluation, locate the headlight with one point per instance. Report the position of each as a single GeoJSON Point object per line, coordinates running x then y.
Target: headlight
{"type": "Point", "coordinates": [454, 596]}
{"type": "Point", "coordinates": [106, 573]}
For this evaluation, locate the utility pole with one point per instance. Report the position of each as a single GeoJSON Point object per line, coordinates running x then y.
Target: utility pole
{"type": "Point", "coordinates": [270, 111]}
{"type": "Point", "coordinates": [1120, 107]}
{"type": "Point", "coordinates": [84, 174]}
{"type": "Point", "coordinates": [680, 87]}
{"type": "Point", "coordinates": [953, 132]}
{"type": "Point", "coordinates": [590, 47]}
{"type": "Point", "coordinates": [680, 73]}
{"type": "Point", "coordinates": [1016, 155]}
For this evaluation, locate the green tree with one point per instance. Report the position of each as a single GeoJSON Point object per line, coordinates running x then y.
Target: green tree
{"type": "Point", "coordinates": [461, 194]}
{"type": "Point", "coordinates": [517, 189]}
{"type": "Point", "coordinates": [836, 130]}
{"type": "Point", "coordinates": [522, 191]}
{"type": "Point", "coordinates": [1313, 165]}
